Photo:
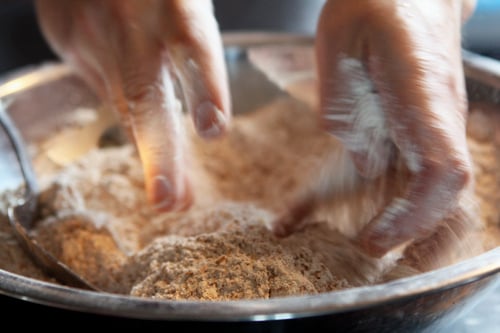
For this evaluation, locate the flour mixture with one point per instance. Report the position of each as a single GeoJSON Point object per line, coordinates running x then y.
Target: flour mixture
{"type": "Point", "coordinates": [94, 217]}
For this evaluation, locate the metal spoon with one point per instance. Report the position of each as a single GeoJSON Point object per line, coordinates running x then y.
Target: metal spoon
{"type": "Point", "coordinates": [22, 210]}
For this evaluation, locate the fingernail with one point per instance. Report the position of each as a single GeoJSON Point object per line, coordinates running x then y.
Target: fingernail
{"type": "Point", "coordinates": [209, 120]}
{"type": "Point", "coordinates": [166, 198]}
{"type": "Point", "coordinates": [163, 196]}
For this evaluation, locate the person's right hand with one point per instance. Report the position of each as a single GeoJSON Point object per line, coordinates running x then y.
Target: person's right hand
{"type": "Point", "coordinates": [391, 80]}
{"type": "Point", "coordinates": [131, 52]}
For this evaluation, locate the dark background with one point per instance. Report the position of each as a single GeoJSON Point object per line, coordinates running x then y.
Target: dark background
{"type": "Point", "coordinates": [22, 44]}
{"type": "Point", "coordinates": [20, 40]}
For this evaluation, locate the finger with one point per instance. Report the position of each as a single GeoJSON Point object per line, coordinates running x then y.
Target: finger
{"type": "Point", "coordinates": [154, 116]}
{"type": "Point", "coordinates": [199, 60]}
{"type": "Point", "coordinates": [455, 239]}
{"type": "Point", "coordinates": [414, 215]}
{"type": "Point", "coordinates": [424, 95]}
{"type": "Point", "coordinates": [295, 218]}
{"type": "Point", "coordinates": [149, 105]}
{"type": "Point", "coordinates": [350, 106]}
{"type": "Point", "coordinates": [468, 9]}
{"type": "Point", "coordinates": [334, 182]}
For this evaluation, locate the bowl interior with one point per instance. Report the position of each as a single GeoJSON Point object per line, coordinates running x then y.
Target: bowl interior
{"type": "Point", "coordinates": [39, 101]}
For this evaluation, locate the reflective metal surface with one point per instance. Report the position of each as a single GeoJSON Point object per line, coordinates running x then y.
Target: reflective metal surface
{"type": "Point", "coordinates": [22, 209]}
{"type": "Point", "coordinates": [425, 302]}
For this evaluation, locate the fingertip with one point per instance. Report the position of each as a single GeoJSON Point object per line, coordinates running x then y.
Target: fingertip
{"type": "Point", "coordinates": [279, 228]}
{"type": "Point", "coordinates": [209, 120]}
{"type": "Point", "coordinates": [295, 218]}
{"type": "Point", "coordinates": [165, 196]}
{"type": "Point", "coordinates": [278, 231]}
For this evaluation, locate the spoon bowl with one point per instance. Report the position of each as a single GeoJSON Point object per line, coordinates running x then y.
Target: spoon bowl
{"type": "Point", "coordinates": [22, 208]}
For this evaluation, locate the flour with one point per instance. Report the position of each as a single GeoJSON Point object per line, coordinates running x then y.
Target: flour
{"type": "Point", "coordinates": [96, 219]}
{"type": "Point", "coordinates": [222, 247]}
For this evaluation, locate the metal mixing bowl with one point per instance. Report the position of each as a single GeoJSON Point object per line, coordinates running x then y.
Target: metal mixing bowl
{"type": "Point", "coordinates": [36, 96]}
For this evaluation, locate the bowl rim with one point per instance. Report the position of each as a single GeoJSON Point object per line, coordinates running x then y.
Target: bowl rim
{"type": "Point", "coordinates": [480, 267]}
{"type": "Point", "coordinates": [483, 266]}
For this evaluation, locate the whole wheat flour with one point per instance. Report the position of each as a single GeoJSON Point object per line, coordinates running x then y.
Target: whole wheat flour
{"type": "Point", "coordinates": [94, 217]}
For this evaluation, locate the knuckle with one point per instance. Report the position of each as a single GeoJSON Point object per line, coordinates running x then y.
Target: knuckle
{"type": "Point", "coordinates": [461, 174]}
{"type": "Point", "coordinates": [454, 173]}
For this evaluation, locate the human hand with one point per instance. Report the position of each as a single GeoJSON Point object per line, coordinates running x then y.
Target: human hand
{"type": "Point", "coordinates": [131, 53]}
{"type": "Point", "coordinates": [391, 79]}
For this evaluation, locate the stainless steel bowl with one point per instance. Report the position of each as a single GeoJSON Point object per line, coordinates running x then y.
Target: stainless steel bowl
{"type": "Point", "coordinates": [430, 301]}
